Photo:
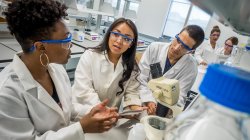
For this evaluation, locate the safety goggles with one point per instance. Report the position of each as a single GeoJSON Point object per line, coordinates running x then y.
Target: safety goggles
{"type": "Point", "coordinates": [66, 43]}
{"type": "Point", "coordinates": [215, 35]}
{"type": "Point", "coordinates": [179, 41]}
{"type": "Point", "coordinates": [125, 39]}
{"type": "Point", "coordinates": [231, 46]}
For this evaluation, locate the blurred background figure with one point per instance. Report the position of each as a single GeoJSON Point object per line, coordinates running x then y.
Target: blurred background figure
{"type": "Point", "coordinates": [229, 44]}
{"type": "Point", "coordinates": [210, 45]}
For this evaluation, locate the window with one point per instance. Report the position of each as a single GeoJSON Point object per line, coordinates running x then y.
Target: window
{"type": "Point", "coordinates": [178, 14]}
{"type": "Point", "coordinates": [198, 17]}
{"type": "Point", "coordinates": [176, 18]}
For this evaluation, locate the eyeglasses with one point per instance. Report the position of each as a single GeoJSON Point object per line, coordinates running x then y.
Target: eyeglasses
{"type": "Point", "coordinates": [231, 46]}
{"type": "Point", "coordinates": [125, 39]}
{"type": "Point", "coordinates": [179, 41]}
{"type": "Point", "coordinates": [215, 35]}
{"type": "Point", "coordinates": [65, 43]}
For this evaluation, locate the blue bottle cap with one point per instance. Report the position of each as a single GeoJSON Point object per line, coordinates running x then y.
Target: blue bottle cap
{"type": "Point", "coordinates": [227, 86]}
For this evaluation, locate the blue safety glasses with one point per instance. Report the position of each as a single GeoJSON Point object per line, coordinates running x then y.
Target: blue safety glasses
{"type": "Point", "coordinates": [125, 39]}
{"type": "Point", "coordinates": [66, 43]}
{"type": "Point", "coordinates": [182, 43]}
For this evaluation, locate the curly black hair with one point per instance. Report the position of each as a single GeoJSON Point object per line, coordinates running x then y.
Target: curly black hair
{"type": "Point", "coordinates": [33, 20]}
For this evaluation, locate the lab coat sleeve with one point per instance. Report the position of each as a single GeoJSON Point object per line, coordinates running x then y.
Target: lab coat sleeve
{"type": "Point", "coordinates": [17, 124]}
{"type": "Point", "coordinates": [187, 81]}
{"type": "Point", "coordinates": [131, 95]}
{"type": "Point", "coordinates": [220, 50]}
{"type": "Point", "coordinates": [84, 95]}
{"type": "Point", "coordinates": [144, 65]}
{"type": "Point", "coordinates": [198, 53]}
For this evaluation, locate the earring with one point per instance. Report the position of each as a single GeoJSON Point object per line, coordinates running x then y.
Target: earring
{"type": "Point", "coordinates": [46, 56]}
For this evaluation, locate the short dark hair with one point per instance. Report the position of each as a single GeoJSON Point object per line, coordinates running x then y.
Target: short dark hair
{"type": "Point", "coordinates": [196, 33]}
{"type": "Point", "coordinates": [128, 57]}
{"type": "Point", "coordinates": [33, 20]}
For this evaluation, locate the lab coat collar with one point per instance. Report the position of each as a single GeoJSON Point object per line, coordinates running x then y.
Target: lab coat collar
{"type": "Point", "coordinates": [28, 82]}
{"type": "Point", "coordinates": [119, 66]}
{"type": "Point", "coordinates": [178, 65]}
{"type": "Point", "coordinates": [23, 73]}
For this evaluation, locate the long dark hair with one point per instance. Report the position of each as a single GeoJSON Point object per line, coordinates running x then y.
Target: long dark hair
{"type": "Point", "coordinates": [128, 57]}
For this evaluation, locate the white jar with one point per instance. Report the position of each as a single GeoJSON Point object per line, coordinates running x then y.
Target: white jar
{"type": "Point", "coordinates": [224, 110]}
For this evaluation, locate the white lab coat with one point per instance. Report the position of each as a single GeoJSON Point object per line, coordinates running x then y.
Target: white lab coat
{"type": "Point", "coordinates": [185, 70]}
{"type": "Point", "coordinates": [204, 46]}
{"type": "Point", "coordinates": [221, 51]}
{"type": "Point", "coordinates": [96, 80]}
{"type": "Point", "coordinates": [28, 112]}
{"type": "Point", "coordinates": [210, 121]}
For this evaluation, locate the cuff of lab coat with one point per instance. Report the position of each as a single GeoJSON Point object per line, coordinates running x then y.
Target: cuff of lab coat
{"type": "Point", "coordinates": [82, 109]}
{"type": "Point", "coordinates": [78, 131]}
{"type": "Point", "coordinates": [132, 102]}
{"type": "Point", "coordinates": [147, 97]}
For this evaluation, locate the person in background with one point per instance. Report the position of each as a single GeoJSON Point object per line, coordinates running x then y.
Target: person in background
{"type": "Point", "coordinates": [210, 45]}
{"type": "Point", "coordinates": [110, 71]}
{"type": "Point", "coordinates": [229, 44]}
{"type": "Point", "coordinates": [35, 91]}
{"type": "Point", "coordinates": [176, 63]}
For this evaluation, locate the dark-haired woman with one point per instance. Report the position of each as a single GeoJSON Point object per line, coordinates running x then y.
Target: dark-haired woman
{"type": "Point", "coordinates": [110, 71]}
{"type": "Point", "coordinates": [209, 45]}
{"type": "Point", "coordinates": [35, 92]}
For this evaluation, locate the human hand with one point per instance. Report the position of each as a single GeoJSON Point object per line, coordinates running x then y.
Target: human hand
{"type": "Point", "coordinates": [136, 108]}
{"type": "Point", "coordinates": [151, 108]}
{"type": "Point", "coordinates": [99, 119]}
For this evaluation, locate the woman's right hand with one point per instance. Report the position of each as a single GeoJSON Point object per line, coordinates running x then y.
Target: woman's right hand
{"type": "Point", "coordinates": [99, 119]}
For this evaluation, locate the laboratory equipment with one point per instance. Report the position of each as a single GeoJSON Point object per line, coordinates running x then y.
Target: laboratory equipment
{"type": "Point", "coordinates": [137, 132]}
{"type": "Point", "coordinates": [130, 112]}
{"type": "Point", "coordinates": [92, 36]}
{"type": "Point", "coordinates": [244, 60]}
{"type": "Point", "coordinates": [154, 127]}
{"type": "Point", "coordinates": [211, 57]}
{"type": "Point", "coordinates": [223, 112]}
{"type": "Point", "coordinates": [71, 4]}
{"type": "Point", "coordinates": [78, 35]}
{"type": "Point", "coordinates": [166, 92]}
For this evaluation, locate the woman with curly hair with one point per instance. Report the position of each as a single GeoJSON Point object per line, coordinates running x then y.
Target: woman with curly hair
{"type": "Point", "coordinates": [35, 92]}
{"type": "Point", "coordinates": [110, 71]}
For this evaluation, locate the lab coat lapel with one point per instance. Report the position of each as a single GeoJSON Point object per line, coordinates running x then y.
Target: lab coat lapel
{"type": "Point", "coordinates": [44, 97]}
{"type": "Point", "coordinates": [178, 66]}
{"type": "Point", "coordinates": [32, 86]}
{"type": "Point", "coordinates": [163, 57]}
{"type": "Point", "coordinates": [61, 91]}
{"type": "Point", "coordinates": [108, 72]}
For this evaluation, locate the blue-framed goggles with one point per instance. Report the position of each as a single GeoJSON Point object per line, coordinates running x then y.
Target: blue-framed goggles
{"type": "Point", "coordinates": [66, 40]}
{"type": "Point", "coordinates": [125, 38]}
{"type": "Point", "coordinates": [182, 43]}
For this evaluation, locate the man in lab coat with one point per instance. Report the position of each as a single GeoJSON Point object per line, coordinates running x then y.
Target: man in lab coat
{"type": "Point", "coordinates": [176, 63]}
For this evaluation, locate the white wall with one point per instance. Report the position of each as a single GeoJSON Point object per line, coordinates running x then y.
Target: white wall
{"type": "Point", "coordinates": [151, 17]}
{"type": "Point", "coordinates": [226, 32]}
